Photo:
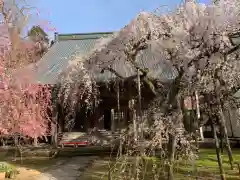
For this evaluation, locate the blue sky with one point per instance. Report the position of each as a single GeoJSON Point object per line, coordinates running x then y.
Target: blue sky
{"type": "Point", "coordinates": [80, 16]}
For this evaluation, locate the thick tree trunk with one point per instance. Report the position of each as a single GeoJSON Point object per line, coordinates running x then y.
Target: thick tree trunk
{"type": "Point", "coordinates": [225, 135]}
{"type": "Point", "coordinates": [221, 139]}
{"type": "Point", "coordinates": [173, 99]}
{"type": "Point", "coordinates": [135, 136]}
{"type": "Point", "coordinates": [3, 141]}
{"type": "Point", "coordinates": [222, 175]}
{"type": "Point", "coordinates": [54, 128]}
{"type": "Point", "coordinates": [223, 122]}
{"type": "Point", "coordinates": [214, 131]}
{"type": "Point", "coordinates": [173, 139]}
{"type": "Point", "coordinates": [16, 143]}
{"type": "Point", "coordinates": [171, 150]}
{"type": "Point", "coordinates": [141, 133]}
{"type": "Point", "coordinates": [35, 142]}
{"type": "Point", "coordinates": [201, 133]}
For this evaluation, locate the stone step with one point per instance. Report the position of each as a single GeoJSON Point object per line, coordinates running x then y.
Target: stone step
{"type": "Point", "coordinates": [82, 139]}
{"type": "Point", "coordinates": [73, 138]}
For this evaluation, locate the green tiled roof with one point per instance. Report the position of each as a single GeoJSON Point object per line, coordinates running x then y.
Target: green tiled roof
{"type": "Point", "coordinates": [57, 58]}
{"type": "Point", "coordinates": [158, 69]}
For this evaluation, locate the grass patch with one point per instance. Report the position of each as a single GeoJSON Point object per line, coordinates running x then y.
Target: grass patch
{"type": "Point", "coordinates": [207, 168]}
{"type": "Point", "coordinates": [38, 164]}
{"type": "Point", "coordinates": [28, 167]}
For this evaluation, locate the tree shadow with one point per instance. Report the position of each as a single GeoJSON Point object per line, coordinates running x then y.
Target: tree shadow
{"type": "Point", "coordinates": [57, 168]}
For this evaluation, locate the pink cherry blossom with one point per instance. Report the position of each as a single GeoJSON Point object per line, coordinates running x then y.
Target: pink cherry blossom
{"type": "Point", "coordinates": [25, 108]}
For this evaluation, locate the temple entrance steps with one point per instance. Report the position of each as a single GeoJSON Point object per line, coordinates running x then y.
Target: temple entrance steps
{"type": "Point", "coordinates": [98, 137]}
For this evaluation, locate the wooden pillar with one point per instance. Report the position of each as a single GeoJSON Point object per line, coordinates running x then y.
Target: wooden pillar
{"type": "Point", "coordinates": [87, 121]}
{"type": "Point", "coordinates": [54, 132]}
{"type": "Point", "coordinates": [130, 111]}
{"type": "Point", "coordinates": [229, 114]}
{"type": "Point", "coordinates": [113, 128]}
{"type": "Point", "coordinates": [118, 104]}
{"type": "Point", "coordinates": [126, 116]}
{"type": "Point", "coordinates": [101, 121]}
{"type": "Point", "coordinates": [119, 118]}
{"type": "Point", "coordinates": [135, 128]}
{"type": "Point", "coordinates": [60, 119]}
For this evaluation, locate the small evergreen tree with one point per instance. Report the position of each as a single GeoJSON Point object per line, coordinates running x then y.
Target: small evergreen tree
{"type": "Point", "coordinates": [40, 38]}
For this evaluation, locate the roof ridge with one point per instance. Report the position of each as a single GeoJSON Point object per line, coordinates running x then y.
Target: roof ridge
{"type": "Point", "coordinates": [91, 33]}
{"type": "Point", "coordinates": [82, 36]}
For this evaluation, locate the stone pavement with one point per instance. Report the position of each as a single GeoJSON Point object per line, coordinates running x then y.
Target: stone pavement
{"type": "Point", "coordinates": [69, 169]}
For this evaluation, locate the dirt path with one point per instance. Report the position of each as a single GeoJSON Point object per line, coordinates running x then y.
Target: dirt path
{"type": "Point", "coordinates": [67, 169]}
